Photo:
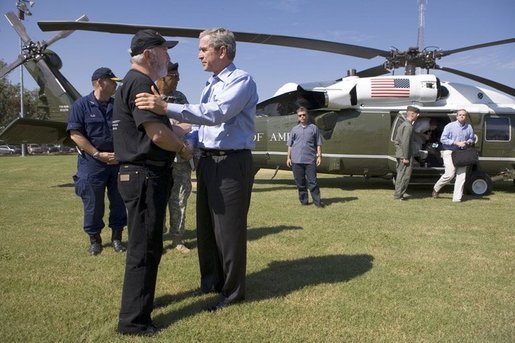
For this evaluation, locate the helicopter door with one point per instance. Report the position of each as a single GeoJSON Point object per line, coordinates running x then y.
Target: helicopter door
{"type": "Point", "coordinates": [397, 121]}
{"type": "Point", "coordinates": [496, 143]}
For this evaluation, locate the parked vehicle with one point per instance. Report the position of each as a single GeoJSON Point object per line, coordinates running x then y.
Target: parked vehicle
{"type": "Point", "coordinates": [34, 149]}
{"type": "Point", "coordinates": [6, 150]}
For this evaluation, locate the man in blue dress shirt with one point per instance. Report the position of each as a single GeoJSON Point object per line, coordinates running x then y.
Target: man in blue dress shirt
{"type": "Point", "coordinates": [456, 135]}
{"type": "Point", "coordinates": [226, 116]}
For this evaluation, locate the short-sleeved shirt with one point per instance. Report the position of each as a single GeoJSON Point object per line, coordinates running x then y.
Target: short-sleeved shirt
{"type": "Point", "coordinates": [93, 120]}
{"type": "Point", "coordinates": [131, 142]}
{"type": "Point", "coordinates": [304, 141]}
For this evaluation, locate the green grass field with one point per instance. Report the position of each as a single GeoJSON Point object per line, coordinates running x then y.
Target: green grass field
{"type": "Point", "coordinates": [364, 269]}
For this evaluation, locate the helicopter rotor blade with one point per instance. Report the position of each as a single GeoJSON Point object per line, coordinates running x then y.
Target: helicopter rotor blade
{"type": "Point", "coordinates": [477, 46]}
{"type": "Point", "coordinates": [18, 27]}
{"type": "Point", "coordinates": [493, 84]}
{"type": "Point", "coordinates": [53, 83]}
{"type": "Point", "coordinates": [64, 34]}
{"type": "Point", "coordinates": [5, 70]}
{"type": "Point", "coordinates": [374, 71]}
{"type": "Point", "coordinates": [295, 42]}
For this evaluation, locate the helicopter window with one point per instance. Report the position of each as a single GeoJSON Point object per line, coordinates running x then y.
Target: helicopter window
{"type": "Point", "coordinates": [497, 129]}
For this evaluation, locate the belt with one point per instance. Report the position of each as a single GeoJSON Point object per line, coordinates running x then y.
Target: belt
{"type": "Point", "coordinates": [214, 152]}
{"type": "Point", "coordinates": [151, 163]}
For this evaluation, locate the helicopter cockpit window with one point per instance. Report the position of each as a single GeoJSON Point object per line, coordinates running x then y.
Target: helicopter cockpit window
{"type": "Point", "coordinates": [497, 129]}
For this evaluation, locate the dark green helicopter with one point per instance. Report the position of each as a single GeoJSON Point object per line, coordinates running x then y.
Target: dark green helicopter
{"type": "Point", "coordinates": [358, 114]}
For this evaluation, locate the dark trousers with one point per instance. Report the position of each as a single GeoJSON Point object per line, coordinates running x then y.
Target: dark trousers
{"type": "Point", "coordinates": [224, 186]}
{"type": "Point", "coordinates": [145, 190]}
{"type": "Point", "coordinates": [91, 182]}
{"type": "Point", "coordinates": [305, 176]}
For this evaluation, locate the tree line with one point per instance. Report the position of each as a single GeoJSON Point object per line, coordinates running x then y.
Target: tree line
{"type": "Point", "coordinates": [10, 101]}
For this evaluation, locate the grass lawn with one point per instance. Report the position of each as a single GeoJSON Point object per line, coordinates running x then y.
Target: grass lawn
{"type": "Point", "coordinates": [364, 269]}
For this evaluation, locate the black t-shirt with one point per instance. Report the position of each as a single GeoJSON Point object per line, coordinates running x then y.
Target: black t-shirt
{"type": "Point", "coordinates": [131, 143]}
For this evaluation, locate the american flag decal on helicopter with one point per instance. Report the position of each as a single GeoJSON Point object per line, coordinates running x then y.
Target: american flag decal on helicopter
{"type": "Point", "coordinates": [390, 87]}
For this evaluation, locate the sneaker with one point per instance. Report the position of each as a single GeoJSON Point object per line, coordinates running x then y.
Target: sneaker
{"type": "Point", "coordinates": [434, 194]}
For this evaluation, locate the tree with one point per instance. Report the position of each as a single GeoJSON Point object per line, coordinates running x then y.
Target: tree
{"type": "Point", "coordinates": [10, 101]}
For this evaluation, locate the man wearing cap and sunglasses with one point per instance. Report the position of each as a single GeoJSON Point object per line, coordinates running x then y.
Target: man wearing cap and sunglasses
{"type": "Point", "coordinates": [90, 128]}
{"type": "Point", "coordinates": [145, 145]}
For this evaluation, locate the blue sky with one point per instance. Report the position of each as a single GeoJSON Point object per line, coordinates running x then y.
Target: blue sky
{"type": "Point", "coordinates": [378, 24]}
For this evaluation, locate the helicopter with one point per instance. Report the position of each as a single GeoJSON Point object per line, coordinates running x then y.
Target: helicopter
{"type": "Point", "coordinates": [358, 114]}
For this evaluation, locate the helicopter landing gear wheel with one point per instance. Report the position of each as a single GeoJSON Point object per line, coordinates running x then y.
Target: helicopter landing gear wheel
{"type": "Point", "coordinates": [478, 183]}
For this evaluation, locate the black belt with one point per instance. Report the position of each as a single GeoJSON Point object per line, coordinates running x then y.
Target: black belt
{"type": "Point", "coordinates": [214, 152]}
{"type": "Point", "coordinates": [151, 163]}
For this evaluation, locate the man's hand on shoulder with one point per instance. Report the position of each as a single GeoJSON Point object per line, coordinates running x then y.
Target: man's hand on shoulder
{"type": "Point", "coordinates": [151, 102]}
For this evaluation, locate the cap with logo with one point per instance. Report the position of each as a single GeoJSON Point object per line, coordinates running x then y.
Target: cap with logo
{"type": "Point", "coordinates": [104, 73]}
{"type": "Point", "coordinates": [148, 39]}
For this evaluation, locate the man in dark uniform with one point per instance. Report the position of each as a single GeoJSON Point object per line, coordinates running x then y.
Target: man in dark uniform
{"type": "Point", "coordinates": [90, 128]}
{"type": "Point", "coordinates": [404, 151]}
{"type": "Point", "coordinates": [225, 174]}
{"type": "Point", "coordinates": [143, 143]}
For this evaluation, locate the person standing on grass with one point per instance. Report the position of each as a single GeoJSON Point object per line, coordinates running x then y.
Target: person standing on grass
{"type": "Point", "coordinates": [225, 173]}
{"type": "Point", "coordinates": [181, 169]}
{"type": "Point", "coordinates": [304, 156]}
{"type": "Point", "coordinates": [404, 149]}
{"type": "Point", "coordinates": [90, 127]}
{"type": "Point", "coordinates": [144, 144]}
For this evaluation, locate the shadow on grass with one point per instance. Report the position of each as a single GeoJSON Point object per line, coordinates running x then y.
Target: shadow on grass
{"type": "Point", "coordinates": [64, 185]}
{"type": "Point", "coordinates": [279, 279]}
{"type": "Point", "coordinates": [253, 234]}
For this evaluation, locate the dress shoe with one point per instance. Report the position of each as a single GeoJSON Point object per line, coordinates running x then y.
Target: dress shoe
{"type": "Point", "coordinates": [118, 246]}
{"type": "Point", "coordinates": [218, 306]}
{"type": "Point", "coordinates": [222, 303]}
{"type": "Point", "coordinates": [151, 330]}
{"type": "Point", "coordinates": [148, 331]}
{"type": "Point", "coordinates": [434, 194]}
{"type": "Point", "coordinates": [95, 249]}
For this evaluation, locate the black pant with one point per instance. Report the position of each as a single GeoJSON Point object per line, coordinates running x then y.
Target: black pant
{"type": "Point", "coordinates": [224, 186]}
{"type": "Point", "coordinates": [145, 191]}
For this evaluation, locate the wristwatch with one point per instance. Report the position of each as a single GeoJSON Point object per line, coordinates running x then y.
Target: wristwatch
{"type": "Point", "coordinates": [96, 154]}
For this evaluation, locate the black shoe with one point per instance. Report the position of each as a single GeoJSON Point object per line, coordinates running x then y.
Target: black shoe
{"type": "Point", "coordinates": [223, 303]}
{"type": "Point", "coordinates": [150, 330]}
{"type": "Point", "coordinates": [320, 205]}
{"type": "Point", "coordinates": [95, 249]}
{"type": "Point", "coordinates": [220, 305]}
{"type": "Point", "coordinates": [118, 246]}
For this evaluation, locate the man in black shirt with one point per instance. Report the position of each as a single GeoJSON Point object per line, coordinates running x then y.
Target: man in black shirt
{"type": "Point", "coordinates": [143, 144]}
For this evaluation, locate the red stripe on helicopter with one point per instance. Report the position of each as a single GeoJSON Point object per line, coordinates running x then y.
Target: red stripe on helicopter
{"type": "Point", "coordinates": [389, 87]}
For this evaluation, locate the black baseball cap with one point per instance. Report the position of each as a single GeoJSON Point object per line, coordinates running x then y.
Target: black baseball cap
{"type": "Point", "coordinates": [104, 73]}
{"type": "Point", "coordinates": [147, 39]}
